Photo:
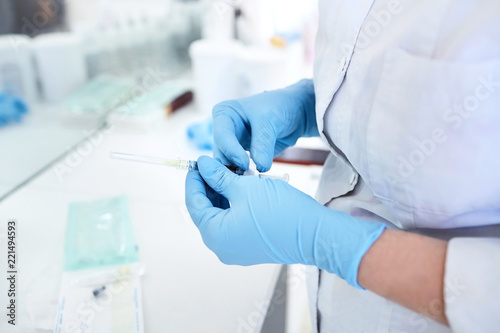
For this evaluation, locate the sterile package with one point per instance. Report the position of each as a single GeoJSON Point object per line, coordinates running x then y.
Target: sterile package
{"type": "Point", "coordinates": [101, 290]}
{"type": "Point", "coordinates": [99, 233]}
{"type": "Point", "coordinates": [103, 300]}
{"type": "Point", "coordinates": [150, 105]}
{"type": "Point", "coordinates": [99, 95]}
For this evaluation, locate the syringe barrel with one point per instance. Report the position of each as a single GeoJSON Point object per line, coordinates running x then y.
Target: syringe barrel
{"type": "Point", "coordinates": [137, 158]}
{"type": "Point", "coordinates": [284, 177]}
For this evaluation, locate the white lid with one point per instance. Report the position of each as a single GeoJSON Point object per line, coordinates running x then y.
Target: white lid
{"type": "Point", "coordinates": [14, 41]}
{"type": "Point", "coordinates": [59, 39]}
{"type": "Point", "coordinates": [214, 48]}
{"type": "Point", "coordinates": [263, 54]}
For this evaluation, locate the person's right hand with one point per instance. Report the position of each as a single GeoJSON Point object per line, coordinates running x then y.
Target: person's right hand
{"type": "Point", "coordinates": [264, 124]}
{"type": "Point", "coordinates": [269, 221]}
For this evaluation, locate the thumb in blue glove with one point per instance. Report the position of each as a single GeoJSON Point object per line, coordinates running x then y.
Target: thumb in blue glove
{"type": "Point", "coordinates": [269, 221]}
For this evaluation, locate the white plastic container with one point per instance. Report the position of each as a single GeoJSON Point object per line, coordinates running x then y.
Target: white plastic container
{"type": "Point", "coordinates": [17, 74]}
{"type": "Point", "coordinates": [226, 70]}
{"type": "Point", "coordinates": [215, 65]}
{"type": "Point", "coordinates": [60, 63]}
{"type": "Point", "coordinates": [268, 68]}
{"type": "Point", "coordinates": [218, 21]}
{"type": "Point", "coordinates": [262, 69]}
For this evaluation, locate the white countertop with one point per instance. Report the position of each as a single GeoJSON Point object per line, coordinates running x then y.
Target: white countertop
{"type": "Point", "coordinates": [185, 287]}
{"type": "Point", "coordinates": [37, 140]}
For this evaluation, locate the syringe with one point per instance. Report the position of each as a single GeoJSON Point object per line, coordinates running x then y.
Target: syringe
{"type": "Point", "coordinates": [190, 165]}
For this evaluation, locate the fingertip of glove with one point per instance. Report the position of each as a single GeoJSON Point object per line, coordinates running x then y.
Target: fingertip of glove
{"type": "Point", "coordinates": [261, 163]}
{"type": "Point", "coordinates": [262, 159]}
{"type": "Point", "coordinates": [262, 168]}
{"type": "Point", "coordinates": [204, 159]}
{"type": "Point", "coordinates": [208, 165]}
{"type": "Point", "coordinates": [242, 161]}
{"type": "Point", "coordinates": [205, 164]}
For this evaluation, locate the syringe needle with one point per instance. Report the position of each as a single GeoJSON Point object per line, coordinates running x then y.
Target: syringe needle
{"type": "Point", "coordinates": [137, 158]}
{"type": "Point", "coordinates": [189, 165]}
{"type": "Point", "coordinates": [178, 164]}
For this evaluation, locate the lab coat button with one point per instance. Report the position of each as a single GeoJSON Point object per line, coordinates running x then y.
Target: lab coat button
{"type": "Point", "coordinates": [342, 65]}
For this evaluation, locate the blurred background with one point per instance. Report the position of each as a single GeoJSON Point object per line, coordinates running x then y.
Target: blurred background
{"type": "Point", "coordinates": [68, 68]}
{"type": "Point", "coordinates": [80, 79]}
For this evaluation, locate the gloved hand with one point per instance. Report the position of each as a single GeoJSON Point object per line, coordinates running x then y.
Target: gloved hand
{"type": "Point", "coordinates": [12, 109]}
{"type": "Point", "coordinates": [264, 124]}
{"type": "Point", "coordinates": [269, 221]}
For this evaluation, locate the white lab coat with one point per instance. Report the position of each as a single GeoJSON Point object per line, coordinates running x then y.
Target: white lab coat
{"type": "Point", "coordinates": [408, 97]}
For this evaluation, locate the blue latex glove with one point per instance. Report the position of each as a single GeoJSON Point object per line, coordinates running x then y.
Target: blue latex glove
{"type": "Point", "coordinates": [269, 221]}
{"type": "Point", "coordinates": [264, 124]}
{"type": "Point", "coordinates": [12, 109]}
{"type": "Point", "coordinates": [201, 134]}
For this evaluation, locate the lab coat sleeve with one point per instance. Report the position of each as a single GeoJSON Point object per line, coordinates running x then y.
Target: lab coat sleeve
{"type": "Point", "coordinates": [472, 284]}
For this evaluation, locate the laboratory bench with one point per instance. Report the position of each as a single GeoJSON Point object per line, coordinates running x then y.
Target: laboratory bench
{"type": "Point", "coordinates": [185, 288]}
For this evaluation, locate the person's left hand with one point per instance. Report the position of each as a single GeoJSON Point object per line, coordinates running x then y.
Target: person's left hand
{"type": "Point", "coordinates": [269, 221]}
